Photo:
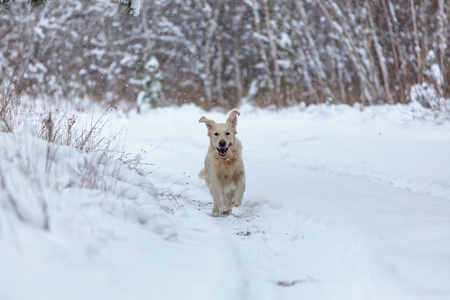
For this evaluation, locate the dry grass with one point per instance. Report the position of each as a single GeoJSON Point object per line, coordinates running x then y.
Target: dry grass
{"type": "Point", "coordinates": [61, 128]}
{"type": "Point", "coordinates": [29, 167]}
{"type": "Point", "coordinates": [8, 108]}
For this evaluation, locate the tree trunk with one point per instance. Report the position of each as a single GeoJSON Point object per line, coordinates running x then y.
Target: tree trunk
{"type": "Point", "coordinates": [442, 29]}
{"type": "Point", "coordinates": [262, 51]}
{"type": "Point", "coordinates": [381, 58]}
{"type": "Point", "coordinates": [219, 64]}
{"type": "Point", "coordinates": [237, 71]}
{"type": "Point", "coordinates": [416, 42]}
{"type": "Point", "coordinates": [423, 20]}
{"type": "Point", "coordinates": [318, 65]}
{"type": "Point", "coordinates": [313, 93]}
{"type": "Point", "coordinates": [353, 55]}
{"type": "Point", "coordinates": [273, 47]}
{"type": "Point", "coordinates": [146, 29]}
{"type": "Point", "coordinates": [208, 40]}
{"type": "Point", "coordinates": [393, 47]}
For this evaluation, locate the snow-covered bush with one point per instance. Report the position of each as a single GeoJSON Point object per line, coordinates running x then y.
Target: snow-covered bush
{"type": "Point", "coordinates": [53, 124]}
{"type": "Point", "coordinates": [431, 93]}
{"type": "Point", "coordinates": [426, 95]}
{"type": "Point", "coordinates": [44, 153]}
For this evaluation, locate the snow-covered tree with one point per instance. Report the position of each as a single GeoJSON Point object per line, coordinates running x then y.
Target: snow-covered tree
{"type": "Point", "coordinates": [217, 52]}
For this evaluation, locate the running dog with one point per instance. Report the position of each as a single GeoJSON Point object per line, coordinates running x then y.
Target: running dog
{"type": "Point", "coordinates": [224, 169]}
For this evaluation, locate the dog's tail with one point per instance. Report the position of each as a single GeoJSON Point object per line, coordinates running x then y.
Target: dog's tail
{"type": "Point", "coordinates": [202, 174]}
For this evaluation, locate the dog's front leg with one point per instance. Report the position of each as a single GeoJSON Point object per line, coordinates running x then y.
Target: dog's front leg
{"type": "Point", "coordinates": [239, 193]}
{"type": "Point", "coordinates": [219, 199]}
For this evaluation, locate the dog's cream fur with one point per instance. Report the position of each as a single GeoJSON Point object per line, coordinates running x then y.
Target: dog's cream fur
{"type": "Point", "coordinates": [224, 169]}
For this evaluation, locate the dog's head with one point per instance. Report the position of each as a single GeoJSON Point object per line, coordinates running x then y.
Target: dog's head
{"type": "Point", "coordinates": [222, 135]}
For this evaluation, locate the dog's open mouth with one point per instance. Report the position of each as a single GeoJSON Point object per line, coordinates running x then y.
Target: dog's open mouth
{"type": "Point", "coordinates": [222, 151]}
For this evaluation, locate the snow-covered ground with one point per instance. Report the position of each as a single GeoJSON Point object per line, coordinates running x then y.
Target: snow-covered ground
{"type": "Point", "coordinates": [340, 204]}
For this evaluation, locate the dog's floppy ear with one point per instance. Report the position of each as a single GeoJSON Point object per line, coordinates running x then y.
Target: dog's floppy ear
{"type": "Point", "coordinates": [232, 118]}
{"type": "Point", "coordinates": [209, 123]}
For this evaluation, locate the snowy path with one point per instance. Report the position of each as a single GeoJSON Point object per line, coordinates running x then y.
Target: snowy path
{"type": "Point", "coordinates": [340, 204]}
{"type": "Point", "coordinates": [335, 208]}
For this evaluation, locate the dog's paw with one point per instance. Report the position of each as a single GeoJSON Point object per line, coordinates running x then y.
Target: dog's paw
{"type": "Point", "coordinates": [225, 212]}
{"type": "Point", "coordinates": [236, 202]}
{"type": "Point", "coordinates": [222, 213]}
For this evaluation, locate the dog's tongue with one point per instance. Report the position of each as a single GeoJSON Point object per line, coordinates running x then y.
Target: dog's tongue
{"type": "Point", "coordinates": [229, 145]}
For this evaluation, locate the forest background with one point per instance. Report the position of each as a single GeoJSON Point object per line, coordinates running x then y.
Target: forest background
{"type": "Point", "coordinates": [219, 52]}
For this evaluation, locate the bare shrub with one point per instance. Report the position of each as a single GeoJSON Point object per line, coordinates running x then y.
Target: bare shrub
{"type": "Point", "coordinates": [60, 128]}
{"type": "Point", "coordinates": [32, 160]}
{"type": "Point", "coordinates": [8, 105]}
{"type": "Point", "coordinates": [427, 95]}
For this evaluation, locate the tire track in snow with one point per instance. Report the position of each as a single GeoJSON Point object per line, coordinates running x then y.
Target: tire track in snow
{"type": "Point", "coordinates": [295, 254]}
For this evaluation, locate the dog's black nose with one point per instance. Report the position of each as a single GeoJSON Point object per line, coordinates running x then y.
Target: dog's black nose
{"type": "Point", "coordinates": [222, 144]}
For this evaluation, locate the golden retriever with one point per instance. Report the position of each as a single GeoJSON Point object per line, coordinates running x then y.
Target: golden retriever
{"type": "Point", "coordinates": [224, 169]}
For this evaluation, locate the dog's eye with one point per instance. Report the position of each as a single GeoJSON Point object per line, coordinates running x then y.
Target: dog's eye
{"type": "Point", "coordinates": [216, 134]}
{"type": "Point", "coordinates": [227, 133]}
